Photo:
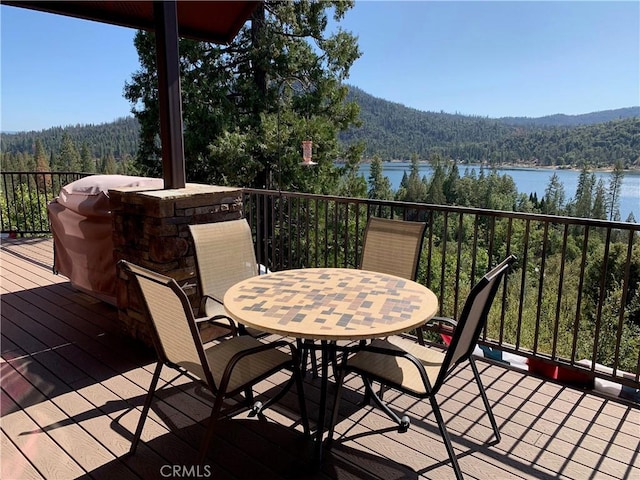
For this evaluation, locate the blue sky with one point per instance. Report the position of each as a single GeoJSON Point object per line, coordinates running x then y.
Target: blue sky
{"type": "Point", "coordinates": [479, 58]}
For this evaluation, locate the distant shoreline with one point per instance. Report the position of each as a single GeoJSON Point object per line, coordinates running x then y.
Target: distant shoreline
{"type": "Point", "coordinates": [514, 166]}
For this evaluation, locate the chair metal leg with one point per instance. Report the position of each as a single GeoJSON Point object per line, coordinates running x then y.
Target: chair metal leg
{"type": "Point", "coordinates": [304, 353]}
{"type": "Point", "coordinates": [483, 394]}
{"type": "Point", "coordinates": [336, 406]}
{"type": "Point", "coordinates": [280, 394]}
{"type": "Point", "coordinates": [248, 394]}
{"type": "Point", "coordinates": [445, 437]}
{"type": "Point", "coordinates": [303, 404]}
{"type": "Point", "coordinates": [145, 408]}
{"type": "Point", "coordinates": [314, 361]}
{"type": "Point", "coordinates": [307, 351]}
{"type": "Point", "coordinates": [403, 423]}
{"type": "Point", "coordinates": [215, 413]}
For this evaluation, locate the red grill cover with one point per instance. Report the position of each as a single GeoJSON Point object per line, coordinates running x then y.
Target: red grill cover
{"type": "Point", "coordinates": [82, 233]}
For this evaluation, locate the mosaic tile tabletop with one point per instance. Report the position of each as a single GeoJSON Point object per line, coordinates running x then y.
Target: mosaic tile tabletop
{"type": "Point", "coordinates": [330, 303]}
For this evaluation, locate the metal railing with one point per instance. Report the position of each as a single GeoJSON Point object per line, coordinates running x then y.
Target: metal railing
{"type": "Point", "coordinates": [24, 197]}
{"type": "Point", "coordinates": [573, 295]}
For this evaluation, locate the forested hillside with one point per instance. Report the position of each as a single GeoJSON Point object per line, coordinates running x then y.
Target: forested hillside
{"type": "Point", "coordinates": [394, 131]}
{"type": "Point", "coordinates": [118, 138]}
{"type": "Point", "coordinates": [561, 120]}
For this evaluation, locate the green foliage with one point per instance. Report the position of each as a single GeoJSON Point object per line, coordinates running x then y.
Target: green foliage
{"type": "Point", "coordinates": [554, 196]}
{"type": "Point", "coordinates": [87, 163]}
{"type": "Point", "coordinates": [68, 159]}
{"type": "Point", "coordinates": [613, 193]}
{"type": "Point", "coordinates": [413, 188]}
{"type": "Point", "coordinates": [25, 208]}
{"type": "Point", "coordinates": [248, 106]}
{"type": "Point", "coordinates": [119, 137]}
{"type": "Point", "coordinates": [379, 185]}
{"type": "Point", "coordinates": [555, 302]}
{"type": "Point", "coordinates": [394, 131]}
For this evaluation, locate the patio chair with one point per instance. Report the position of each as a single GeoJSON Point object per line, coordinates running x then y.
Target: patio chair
{"type": "Point", "coordinates": [224, 256]}
{"type": "Point", "coordinates": [389, 246]}
{"type": "Point", "coordinates": [420, 371]}
{"type": "Point", "coordinates": [392, 247]}
{"type": "Point", "coordinates": [226, 368]}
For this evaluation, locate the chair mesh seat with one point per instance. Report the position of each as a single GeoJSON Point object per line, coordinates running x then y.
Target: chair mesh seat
{"type": "Point", "coordinates": [399, 370]}
{"type": "Point", "coordinates": [247, 369]}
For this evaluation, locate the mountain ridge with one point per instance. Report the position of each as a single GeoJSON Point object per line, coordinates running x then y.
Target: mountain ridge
{"type": "Point", "coordinates": [562, 119]}
{"type": "Point", "coordinates": [556, 119]}
{"type": "Point", "coordinates": [394, 131]}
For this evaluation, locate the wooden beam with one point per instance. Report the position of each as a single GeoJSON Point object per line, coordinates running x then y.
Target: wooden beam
{"type": "Point", "coordinates": [169, 94]}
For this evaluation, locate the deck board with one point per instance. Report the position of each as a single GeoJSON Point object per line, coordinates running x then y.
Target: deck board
{"type": "Point", "coordinates": [73, 388]}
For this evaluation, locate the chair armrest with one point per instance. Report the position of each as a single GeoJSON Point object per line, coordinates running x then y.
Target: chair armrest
{"type": "Point", "coordinates": [436, 324]}
{"type": "Point", "coordinates": [203, 301]}
{"type": "Point", "coordinates": [398, 352]}
{"type": "Point", "coordinates": [443, 325]}
{"type": "Point", "coordinates": [224, 381]}
{"type": "Point", "coordinates": [447, 320]}
{"type": "Point", "coordinates": [226, 322]}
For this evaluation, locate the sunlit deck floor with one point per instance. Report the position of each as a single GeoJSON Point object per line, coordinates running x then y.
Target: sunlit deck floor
{"type": "Point", "coordinates": [72, 390]}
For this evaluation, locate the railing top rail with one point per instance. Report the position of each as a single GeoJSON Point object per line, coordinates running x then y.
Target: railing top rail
{"type": "Point", "coordinates": [45, 172]}
{"type": "Point", "coordinates": [455, 209]}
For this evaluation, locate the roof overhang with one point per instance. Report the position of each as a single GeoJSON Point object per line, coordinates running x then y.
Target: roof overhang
{"type": "Point", "coordinates": [211, 21]}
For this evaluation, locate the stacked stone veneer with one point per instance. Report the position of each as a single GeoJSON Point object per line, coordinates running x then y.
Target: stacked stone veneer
{"type": "Point", "coordinates": [150, 229]}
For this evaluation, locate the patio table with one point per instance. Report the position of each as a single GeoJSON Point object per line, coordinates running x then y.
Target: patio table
{"type": "Point", "coordinates": [329, 305]}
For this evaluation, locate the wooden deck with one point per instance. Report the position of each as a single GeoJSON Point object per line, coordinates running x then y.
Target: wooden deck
{"type": "Point", "coordinates": [72, 390]}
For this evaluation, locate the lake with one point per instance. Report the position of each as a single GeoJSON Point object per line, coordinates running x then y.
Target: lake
{"type": "Point", "coordinates": [530, 180]}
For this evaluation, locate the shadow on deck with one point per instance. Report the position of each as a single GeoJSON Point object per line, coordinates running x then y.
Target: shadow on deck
{"type": "Point", "coordinates": [73, 388]}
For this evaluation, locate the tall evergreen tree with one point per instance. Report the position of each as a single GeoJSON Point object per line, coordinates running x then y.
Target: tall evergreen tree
{"type": "Point", "coordinates": [42, 163]}
{"type": "Point", "coordinates": [435, 190]}
{"type": "Point", "coordinates": [109, 165]}
{"type": "Point", "coordinates": [584, 193]}
{"type": "Point", "coordinates": [379, 184]}
{"type": "Point", "coordinates": [68, 157]}
{"type": "Point", "coordinates": [613, 192]}
{"type": "Point", "coordinates": [599, 209]}
{"type": "Point", "coordinates": [450, 186]}
{"type": "Point", "coordinates": [554, 196]}
{"type": "Point", "coordinates": [416, 189]}
{"type": "Point", "coordinates": [248, 106]}
{"type": "Point", "coordinates": [87, 164]}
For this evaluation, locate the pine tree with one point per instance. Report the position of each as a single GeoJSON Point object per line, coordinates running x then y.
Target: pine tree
{"type": "Point", "coordinates": [450, 186]}
{"type": "Point", "coordinates": [68, 157]}
{"type": "Point", "coordinates": [248, 106]}
{"type": "Point", "coordinates": [599, 209]}
{"type": "Point", "coordinates": [42, 165]}
{"type": "Point", "coordinates": [435, 187]}
{"type": "Point", "coordinates": [109, 166]}
{"type": "Point", "coordinates": [554, 196]}
{"type": "Point", "coordinates": [613, 192]}
{"type": "Point", "coordinates": [87, 164]}
{"type": "Point", "coordinates": [584, 193]}
{"type": "Point", "coordinates": [416, 189]}
{"type": "Point", "coordinates": [379, 185]}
